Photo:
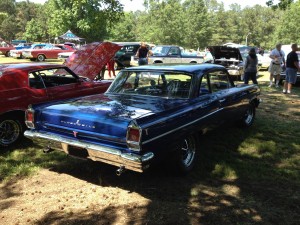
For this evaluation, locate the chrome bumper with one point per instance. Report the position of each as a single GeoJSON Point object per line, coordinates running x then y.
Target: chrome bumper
{"type": "Point", "coordinates": [100, 153]}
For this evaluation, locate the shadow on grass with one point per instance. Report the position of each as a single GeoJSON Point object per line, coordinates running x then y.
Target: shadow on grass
{"type": "Point", "coordinates": [226, 187]}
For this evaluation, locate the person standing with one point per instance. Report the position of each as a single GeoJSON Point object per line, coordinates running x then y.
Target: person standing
{"type": "Point", "coordinates": [292, 66]}
{"type": "Point", "coordinates": [277, 56]}
{"type": "Point", "coordinates": [250, 67]}
{"type": "Point", "coordinates": [142, 53]}
{"type": "Point", "coordinates": [111, 67]}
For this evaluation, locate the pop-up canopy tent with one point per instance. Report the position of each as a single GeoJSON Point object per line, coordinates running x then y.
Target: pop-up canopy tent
{"type": "Point", "coordinates": [71, 37]}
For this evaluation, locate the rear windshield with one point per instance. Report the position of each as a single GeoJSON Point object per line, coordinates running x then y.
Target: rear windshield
{"type": "Point", "coordinates": [160, 84]}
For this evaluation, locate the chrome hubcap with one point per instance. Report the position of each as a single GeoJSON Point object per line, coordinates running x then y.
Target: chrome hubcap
{"type": "Point", "coordinates": [188, 149]}
{"type": "Point", "coordinates": [9, 132]}
{"type": "Point", "coordinates": [249, 115]}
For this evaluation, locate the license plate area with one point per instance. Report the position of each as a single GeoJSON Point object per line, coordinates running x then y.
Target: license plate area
{"type": "Point", "coordinates": [77, 152]}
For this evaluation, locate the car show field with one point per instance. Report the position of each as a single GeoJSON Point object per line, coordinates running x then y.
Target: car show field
{"type": "Point", "coordinates": [250, 176]}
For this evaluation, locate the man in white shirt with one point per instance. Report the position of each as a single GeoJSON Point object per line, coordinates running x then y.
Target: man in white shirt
{"type": "Point", "coordinates": [277, 56]}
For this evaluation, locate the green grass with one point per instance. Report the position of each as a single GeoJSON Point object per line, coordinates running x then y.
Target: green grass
{"type": "Point", "coordinates": [27, 159]}
{"type": "Point", "coordinates": [4, 59]}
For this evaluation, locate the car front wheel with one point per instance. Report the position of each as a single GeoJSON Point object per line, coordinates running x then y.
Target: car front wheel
{"type": "Point", "coordinates": [11, 131]}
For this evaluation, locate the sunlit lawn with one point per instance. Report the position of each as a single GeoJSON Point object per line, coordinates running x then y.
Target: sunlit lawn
{"type": "Point", "coordinates": [4, 59]}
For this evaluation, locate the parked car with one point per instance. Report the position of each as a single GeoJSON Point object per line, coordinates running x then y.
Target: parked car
{"type": "Point", "coordinates": [230, 58]}
{"type": "Point", "coordinates": [6, 50]}
{"type": "Point", "coordinates": [264, 61]}
{"type": "Point", "coordinates": [64, 55]}
{"type": "Point", "coordinates": [172, 54]}
{"type": "Point", "coordinates": [17, 53]}
{"type": "Point", "coordinates": [24, 84]}
{"type": "Point", "coordinates": [282, 74]}
{"type": "Point", "coordinates": [149, 114]}
{"type": "Point", "coordinates": [48, 52]}
{"type": "Point", "coordinates": [123, 56]}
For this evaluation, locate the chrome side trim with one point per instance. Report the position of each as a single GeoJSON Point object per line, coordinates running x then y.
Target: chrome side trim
{"type": "Point", "coordinates": [104, 154]}
{"type": "Point", "coordinates": [178, 128]}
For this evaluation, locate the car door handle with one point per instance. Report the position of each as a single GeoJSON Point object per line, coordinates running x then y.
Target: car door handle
{"type": "Point", "coordinates": [222, 100]}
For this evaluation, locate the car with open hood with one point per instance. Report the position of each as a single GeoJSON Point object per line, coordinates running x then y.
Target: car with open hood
{"type": "Point", "coordinates": [31, 83]}
{"type": "Point", "coordinates": [229, 57]}
{"type": "Point", "coordinates": [149, 114]}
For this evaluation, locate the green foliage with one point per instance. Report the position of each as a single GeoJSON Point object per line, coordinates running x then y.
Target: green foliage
{"type": "Point", "coordinates": [125, 29]}
{"type": "Point", "coordinates": [89, 19]}
{"type": "Point", "coordinates": [282, 4]}
{"type": "Point", "coordinates": [188, 23]}
{"type": "Point", "coordinates": [288, 31]}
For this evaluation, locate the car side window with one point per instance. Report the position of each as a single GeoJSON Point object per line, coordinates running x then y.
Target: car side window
{"type": "Point", "coordinates": [50, 78]}
{"type": "Point", "coordinates": [218, 81]}
{"type": "Point", "coordinates": [204, 85]}
{"type": "Point", "coordinates": [174, 51]}
{"type": "Point", "coordinates": [35, 81]}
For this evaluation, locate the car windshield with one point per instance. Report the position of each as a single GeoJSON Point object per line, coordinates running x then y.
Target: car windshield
{"type": "Point", "coordinates": [161, 84]}
{"type": "Point", "coordinates": [160, 50]}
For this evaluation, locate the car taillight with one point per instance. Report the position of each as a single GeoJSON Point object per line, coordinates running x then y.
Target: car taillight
{"type": "Point", "coordinates": [133, 134]}
{"type": "Point", "coordinates": [29, 118]}
{"type": "Point", "coordinates": [133, 137]}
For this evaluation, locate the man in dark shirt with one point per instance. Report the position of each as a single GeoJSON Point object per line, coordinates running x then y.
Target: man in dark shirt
{"type": "Point", "coordinates": [143, 53]}
{"type": "Point", "coordinates": [292, 66]}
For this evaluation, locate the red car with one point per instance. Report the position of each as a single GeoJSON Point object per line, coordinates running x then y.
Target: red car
{"type": "Point", "coordinates": [32, 83]}
{"type": "Point", "coordinates": [48, 52]}
{"type": "Point", "coordinates": [5, 50]}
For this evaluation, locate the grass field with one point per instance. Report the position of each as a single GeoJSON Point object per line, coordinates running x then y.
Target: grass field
{"type": "Point", "coordinates": [247, 176]}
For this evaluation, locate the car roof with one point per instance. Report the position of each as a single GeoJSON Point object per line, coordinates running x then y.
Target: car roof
{"type": "Point", "coordinates": [28, 66]}
{"type": "Point", "coordinates": [188, 67]}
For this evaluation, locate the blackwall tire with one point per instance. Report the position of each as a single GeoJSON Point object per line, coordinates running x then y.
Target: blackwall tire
{"type": "Point", "coordinates": [249, 116]}
{"type": "Point", "coordinates": [186, 154]}
{"type": "Point", "coordinates": [11, 131]}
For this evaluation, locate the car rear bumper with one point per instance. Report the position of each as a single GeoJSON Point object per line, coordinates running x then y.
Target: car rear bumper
{"type": "Point", "coordinates": [81, 149]}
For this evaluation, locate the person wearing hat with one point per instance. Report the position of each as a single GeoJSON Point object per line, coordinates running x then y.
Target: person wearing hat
{"type": "Point", "coordinates": [250, 67]}
{"type": "Point", "coordinates": [277, 56]}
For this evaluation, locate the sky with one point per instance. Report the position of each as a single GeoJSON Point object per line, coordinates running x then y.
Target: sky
{"type": "Point", "coordinates": [133, 5]}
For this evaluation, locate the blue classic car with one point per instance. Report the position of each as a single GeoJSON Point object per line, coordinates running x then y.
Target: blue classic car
{"type": "Point", "coordinates": [149, 113]}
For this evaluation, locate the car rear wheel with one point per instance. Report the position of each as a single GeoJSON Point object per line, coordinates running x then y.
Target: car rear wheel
{"type": "Point", "coordinates": [11, 131]}
{"type": "Point", "coordinates": [41, 58]}
{"type": "Point", "coordinates": [7, 54]}
{"type": "Point", "coordinates": [186, 154]}
{"type": "Point", "coordinates": [248, 117]}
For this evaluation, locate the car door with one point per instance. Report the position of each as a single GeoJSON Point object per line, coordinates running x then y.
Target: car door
{"type": "Point", "coordinates": [230, 100]}
{"type": "Point", "coordinates": [37, 91]}
{"type": "Point", "coordinates": [174, 55]}
{"type": "Point", "coordinates": [208, 110]}
{"type": "Point", "coordinates": [59, 83]}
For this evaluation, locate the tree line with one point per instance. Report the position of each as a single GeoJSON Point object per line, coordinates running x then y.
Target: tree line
{"type": "Point", "coordinates": [188, 23]}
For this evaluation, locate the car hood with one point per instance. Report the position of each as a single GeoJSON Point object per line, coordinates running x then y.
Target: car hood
{"type": "Point", "coordinates": [220, 52]}
{"type": "Point", "coordinates": [91, 58]}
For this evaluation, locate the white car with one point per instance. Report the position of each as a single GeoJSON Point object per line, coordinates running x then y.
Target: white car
{"type": "Point", "coordinates": [264, 61]}
{"type": "Point", "coordinates": [64, 55]}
